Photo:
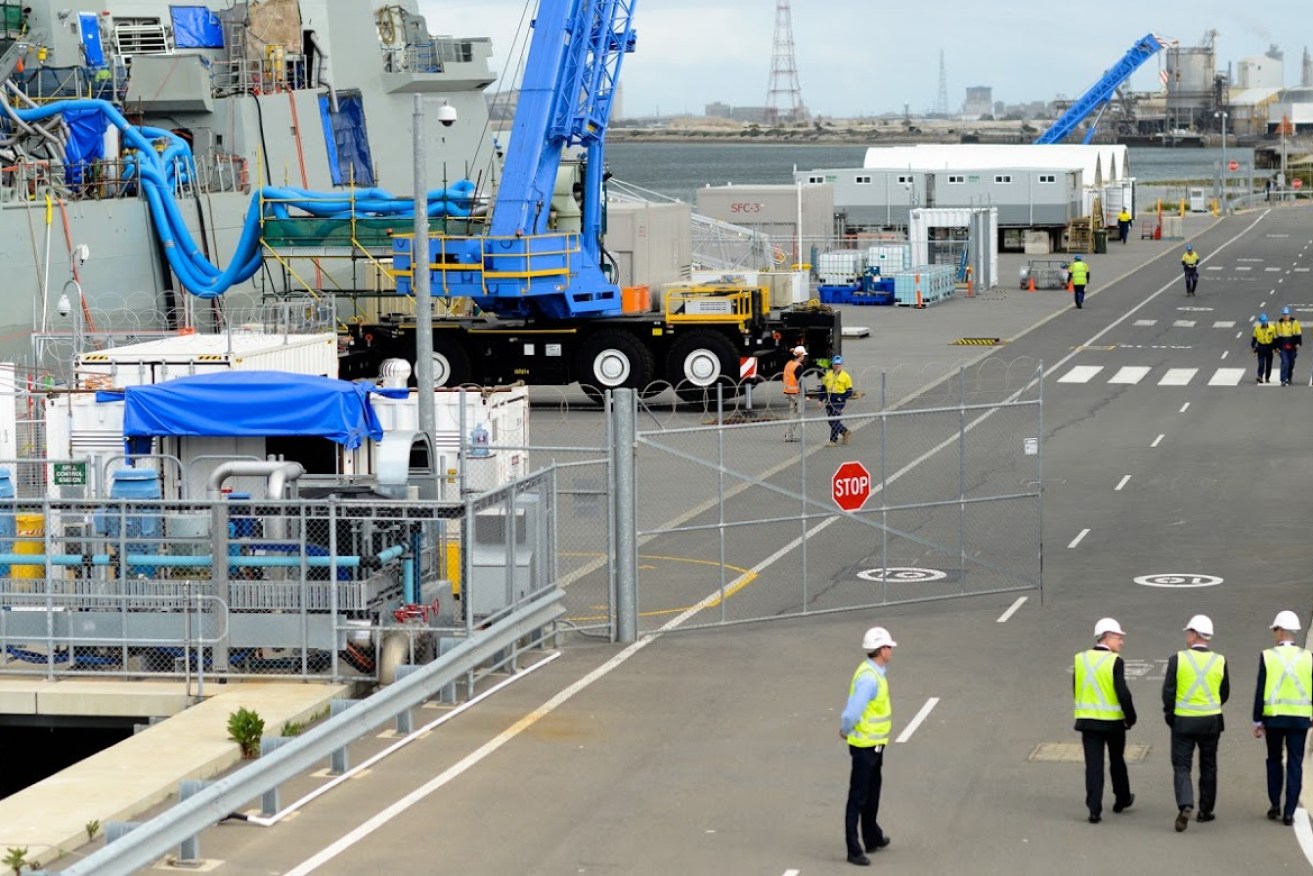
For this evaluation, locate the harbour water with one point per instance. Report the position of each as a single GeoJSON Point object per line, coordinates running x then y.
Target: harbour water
{"type": "Point", "coordinates": [677, 170]}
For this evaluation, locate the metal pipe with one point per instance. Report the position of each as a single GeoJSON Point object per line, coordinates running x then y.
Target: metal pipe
{"type": "Point", "coordinates": [277, 475]}
{"type": "Point", "coordinates": [421, 281]}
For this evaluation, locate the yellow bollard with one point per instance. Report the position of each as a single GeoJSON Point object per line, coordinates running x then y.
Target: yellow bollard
{"type": "Point", "coordinates": [453, 567]}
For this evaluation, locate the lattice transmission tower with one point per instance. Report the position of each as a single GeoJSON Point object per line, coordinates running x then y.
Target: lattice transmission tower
{"type": "Point", "coordinates": [784, 98]}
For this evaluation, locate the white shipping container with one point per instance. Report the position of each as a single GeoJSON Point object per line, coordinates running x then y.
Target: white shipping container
{"type": "Point", "coordinates": [184, 355]}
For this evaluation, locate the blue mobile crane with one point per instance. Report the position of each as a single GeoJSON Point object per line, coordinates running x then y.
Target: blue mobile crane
{"type": "Point", "coordinates": [1101, 92]}
{"type": "Point", "coordinates": [551, 312]}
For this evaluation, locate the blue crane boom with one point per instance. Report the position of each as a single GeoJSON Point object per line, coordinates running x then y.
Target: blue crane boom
{"type": "Point", "coordinates": [1101, 92]}
{"type": "Point", "coordinates": [521, 268]}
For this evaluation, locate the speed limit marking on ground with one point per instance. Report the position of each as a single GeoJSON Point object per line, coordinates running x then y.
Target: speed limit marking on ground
{"type": "Point", "coordinates": [903, 575]}
{"type": "Point", "coordinates": [1179, 579]}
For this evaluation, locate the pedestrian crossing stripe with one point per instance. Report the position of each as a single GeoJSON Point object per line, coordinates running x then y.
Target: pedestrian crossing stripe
{"type": "Point", "coordinates": [1131, 375]}
{"type": "Point", "coordinates": [1184, 323]}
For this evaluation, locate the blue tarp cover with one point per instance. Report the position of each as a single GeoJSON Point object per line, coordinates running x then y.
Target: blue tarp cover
{"type": "Point", "coordinates": [347, 140]}
{"type": "Point", "coordinates": [250, 404]}
{"type": "Point", "coordinates": [89, 24]}
{"type": "Point", "coordinates": [86, 142]}
{"type": "Point", "coordinates": [196, 27]}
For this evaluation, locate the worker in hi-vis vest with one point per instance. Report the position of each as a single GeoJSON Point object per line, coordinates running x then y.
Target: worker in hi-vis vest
{"type": "Point", "coordinates": [1283, 710]}
{"type": "Point", "coordinates": [1104, 712]}
{"type": "Point", "coordinates": [793, 390]}
{"type": "Point", "coordinates": [1194, 689]}
{"type": "Point", "coordinates": [1264, 344]}
{"type": "Point", "coordinates": [1079, 274]}
{"type": "Point", "coordinates": [865, 725]}
{"type": "Point", "coordinates": [1290, 336]}
{"type": "Point", "coordinates": [1124, 224]}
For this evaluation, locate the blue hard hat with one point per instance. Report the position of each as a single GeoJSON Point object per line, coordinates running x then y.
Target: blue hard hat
{"type": "Point", "coordinates": [1189, 247]}
{"type": "Point", "coordinates": [837, 360]}
{"type": "Point", "coordinates": [1285, 311]}
{"type": "Point", "coordinates": [1262, 317]}
{"type": "Point", "coordinates": [1076, 257]}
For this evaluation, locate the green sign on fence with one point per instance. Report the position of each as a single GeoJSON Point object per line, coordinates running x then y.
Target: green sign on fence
{"type": "Point", "coordinates": [70, 474]}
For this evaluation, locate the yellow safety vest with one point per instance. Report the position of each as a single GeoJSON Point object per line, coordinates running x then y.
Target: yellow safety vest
{"type": "Point", "coordinates": [873, 727]}
{"type": "Point", "coordinates": [1265, 333]}
{"type": "Point", "coordinates": [837, 382]}
{"type": "Point", "coordinates": [1288, 327]}
{"type": "Point", "coordinates": [1289, 670]}
{"type": "Point", "coordinates": [1080, 273]}
{"type": "Point", "coordinates": [1123, 216]}
{"type": "Point", "coordinates": [1095, 695]}
{"type": "Point", "coordinates": [1190, 259]}
{"type": "Point", "coordinates": [1199, 683]}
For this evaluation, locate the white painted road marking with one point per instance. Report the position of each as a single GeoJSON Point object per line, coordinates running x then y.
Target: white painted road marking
{"type": "Point", "coordinates": [1243, 268]}
{"type": "Point", "coordinates": [1225, 353]}
{"type": "Point", "coordinates": [1183, 323]}
{"type": "Point", "coordinates": [1224, 323]}
{"type": "Point", "coordinates": [1272, 270]}
{"type": "Point", "coordinates": [1003, 618]}
{"type": "Point", "coordinates": [1080, 374]}
{"type": "Point", "coordinates": [1227, 377]}
{"type": "Point", "coordinates": [1158, 440]}
{"type": "Point", "coordinates": [916, 722]}
{"type": "Point", "coordinates": [1303, 832]}
{"type": "Point", "coordinates": [1131, 374]}
{"type": "Point", "coordinates": [1178, 376]}
{"type": "Point", "coordinates": [1145, 322]}
{"type": "Point", "coordinates": [1185, 407]}
{"type": "Point", "coordinates": [1077, 540]}
{"type": "Point", "coordinates": [1179, 579]}
{"type": "Point", "coordinates": [1121, 483]}
{"type": "Point", "coordinates": [792, 872]}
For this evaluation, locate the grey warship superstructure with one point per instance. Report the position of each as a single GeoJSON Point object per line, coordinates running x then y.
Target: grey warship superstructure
{"type": "Point", "coordinates": [316, 95]}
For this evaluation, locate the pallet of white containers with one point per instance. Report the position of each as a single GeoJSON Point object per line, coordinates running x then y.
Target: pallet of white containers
{"type": "Point", "coordinates": [934, 283]}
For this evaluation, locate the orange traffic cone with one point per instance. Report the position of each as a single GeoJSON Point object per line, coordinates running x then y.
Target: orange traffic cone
{"type": "Point", "coordinates": [1070, 287]}
{"type": "Point", "coordinates": [1030, 287]}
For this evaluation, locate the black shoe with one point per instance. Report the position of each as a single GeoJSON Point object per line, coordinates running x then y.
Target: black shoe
{"type": "Point", "coordinates": [1273, 814]}
{"type": "Point", "coordinates": [1287, 820]}
{"type": "Point", "coordinates": [1206, 816]}
{"type": "Point", "coordinates": [1095, 819]}
{"type": "Point", "coordinates": [1123, 805]}
{"type": "Point", "coordinates": [859, 860]}
{"type": "Point", "coordinates": [1183, 818]}
{"type": "Point", "coordinates": [882, 844]}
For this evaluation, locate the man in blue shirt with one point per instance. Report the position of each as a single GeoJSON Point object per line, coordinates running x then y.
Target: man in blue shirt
{"type": "Point", "coordinates": [865, 725]}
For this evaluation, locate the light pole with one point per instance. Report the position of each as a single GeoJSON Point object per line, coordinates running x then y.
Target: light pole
{"type": "Point", "coordinates": [1221, 114]}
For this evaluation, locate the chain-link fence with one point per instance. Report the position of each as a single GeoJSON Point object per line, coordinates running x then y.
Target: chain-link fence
{"type": "Point", "coordinates": [757, 516]}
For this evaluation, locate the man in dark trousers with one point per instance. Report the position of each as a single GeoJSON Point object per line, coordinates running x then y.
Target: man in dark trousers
{"type": "Point", "coordinates": [1283, 708]}
{"type": "Point", "coordinates": [1194, 690]}
{"type": "Point", "coordinates": [865, 725]}
{"type": "Point", "coordinates": [1104, 712]}
{"type": "Point", "coordinates": [1079, 274]}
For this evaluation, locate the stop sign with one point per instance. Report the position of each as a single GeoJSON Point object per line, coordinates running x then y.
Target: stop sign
{"type": "Point", "coordinates": [1233, 165]}
{"type": "Point", "coordinates": [851, 486]}
{"type": "Point", "coordinates": [1297, 183]}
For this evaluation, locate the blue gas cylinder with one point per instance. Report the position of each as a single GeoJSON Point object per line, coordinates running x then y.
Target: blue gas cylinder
{"type": "Point", "coordinates": [479, 441]}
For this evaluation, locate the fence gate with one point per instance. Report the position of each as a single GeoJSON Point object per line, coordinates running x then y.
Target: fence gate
{"type": "Point", "coordinates": [735, 523]}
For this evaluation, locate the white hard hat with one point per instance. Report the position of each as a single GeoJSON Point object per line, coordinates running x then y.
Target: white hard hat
{"type": "Point", "coordinates": [800, 351]}
{"type": "Point", "coordinates": [1286, 620]}
{"type": "Point", "coordinates": [1201, 624]}
{"type": "Point", "coordinates": [876, 638]}
{"type": "Point", "coordinates": [1107, 625]}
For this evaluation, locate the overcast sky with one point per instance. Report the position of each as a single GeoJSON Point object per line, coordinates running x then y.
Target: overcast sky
{"type": "Point", "coordinates": [858, 57]}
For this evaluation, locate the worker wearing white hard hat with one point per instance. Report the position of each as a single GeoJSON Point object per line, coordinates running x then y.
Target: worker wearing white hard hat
{"type": "Point", "coordinates": [1195, 687]}
{"type": "Point", "coordinates": [1283, 710]}
{"type": "Point", "coordinates": [793, 391]}
{"type": "Point", "coordinates": [1104, 712]}
{"type": "Point", "coordinates": [865, 726]}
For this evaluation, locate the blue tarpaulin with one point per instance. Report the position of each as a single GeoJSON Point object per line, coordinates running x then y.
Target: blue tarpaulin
{"type": "Point", "coordinates": [92, 49]}
{"type": "Point", "coordinates": [347, 140]}
{"type": "Point", "coordinates": [86, 142]}
{"type": "Point", "coordinates": [237, 404]}
{"type": "Point", "coordinates": [196, 27]}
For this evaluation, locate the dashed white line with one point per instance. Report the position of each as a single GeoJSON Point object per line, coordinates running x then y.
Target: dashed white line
{"type": "Point", "coordinates": [1183, 323]}
{"type": "Point", "coordinates": [1080, 537]}
{"type": "Point", "coordinates": [1012, 609]}
{"type": "Point", "coordinates": [792, 872]}
{"type": "Point", "coordinates": [1304, 833]}
{"type": "Point", "coordinates": [1158, 440]}
{"type": "Point", "coordinates": [916, 722]}
{"type": "Point", "coordinates": [1225, 353]}
{"type": "Point", "coordinates": [1185, 407]}
{"type": "Point", "coordinates": [1121, 483]}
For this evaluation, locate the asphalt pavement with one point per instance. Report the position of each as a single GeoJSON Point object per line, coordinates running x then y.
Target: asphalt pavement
{"type": "Point", "coordinates": [1169, 489]}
